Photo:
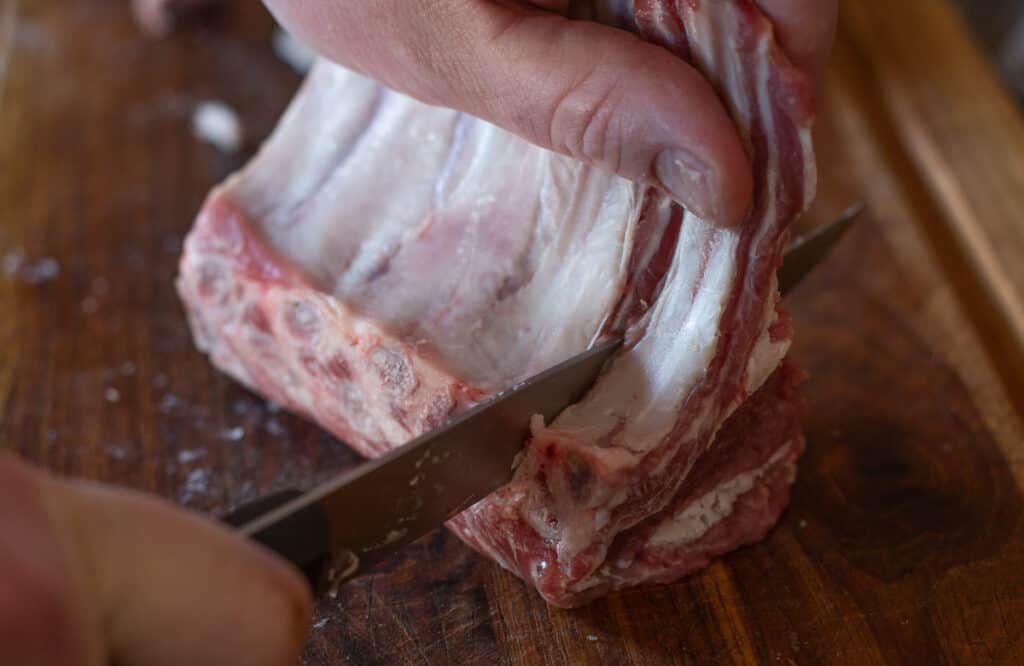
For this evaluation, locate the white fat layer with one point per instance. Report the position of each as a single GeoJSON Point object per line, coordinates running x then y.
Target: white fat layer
{"type": "Point", "coordinates": [699, 516]}
{"type": "Point", "coordinates": [767, 353]}
{"type": "Point", "coordinates": [647, 385]}
{"type": "Point", "coordinates": [766, 357]}
{"type": "Point", "coordinates": [459, 243]}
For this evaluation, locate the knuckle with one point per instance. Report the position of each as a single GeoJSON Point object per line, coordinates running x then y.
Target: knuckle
{"type": "Point", "coordinates": [584, 121]}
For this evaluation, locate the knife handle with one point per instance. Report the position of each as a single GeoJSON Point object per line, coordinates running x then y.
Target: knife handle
{"type": "Point", "coordinates": [301, 538]}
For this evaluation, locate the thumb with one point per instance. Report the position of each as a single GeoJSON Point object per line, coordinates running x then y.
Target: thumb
{"type": "Point", "coordinates": [103, 576]}
{"type": "Point", "coordinates": [592, 92]}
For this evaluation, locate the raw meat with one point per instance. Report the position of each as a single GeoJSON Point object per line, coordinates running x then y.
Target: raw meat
{"type": "Point", "coordinates": [383, 264]}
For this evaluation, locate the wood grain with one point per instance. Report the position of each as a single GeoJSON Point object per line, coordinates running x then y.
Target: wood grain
{"type": "Point", "coordinates": [962, 135]}
{"type": "Point", "coordinates": [905, 539]}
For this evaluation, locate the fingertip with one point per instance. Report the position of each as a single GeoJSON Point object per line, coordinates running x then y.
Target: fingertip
{"type": "Point", "coordinates": [700, 159]}
{"type": "Point", "coordinates": [713, 192]}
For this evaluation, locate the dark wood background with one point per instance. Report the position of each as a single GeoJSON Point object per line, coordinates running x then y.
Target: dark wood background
{"type": "Point", "coordinates": [905, 539]}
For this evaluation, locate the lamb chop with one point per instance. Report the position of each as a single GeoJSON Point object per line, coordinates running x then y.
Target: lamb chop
{"type": "Point", "coordinates": [382, 265]}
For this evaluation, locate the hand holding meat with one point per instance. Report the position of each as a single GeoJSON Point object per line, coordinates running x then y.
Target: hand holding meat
{"type": "Point", "coordinates": [92, 576]}
{"type": "Point", "coordinates": [600, 95]}
{"type": "Point", "coordinates": [383, 264]}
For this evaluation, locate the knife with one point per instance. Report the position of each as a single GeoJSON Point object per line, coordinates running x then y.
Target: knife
{"type": "Point", "coordinates": [343, 527]}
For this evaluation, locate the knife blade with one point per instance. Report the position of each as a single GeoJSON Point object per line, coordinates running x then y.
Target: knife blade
{"type": "Point", "coordinates": [804, 253]}
{"type": "Point", "coordinates": [343, 527]}
{"type": "Point", "coordinates": [366, 514]}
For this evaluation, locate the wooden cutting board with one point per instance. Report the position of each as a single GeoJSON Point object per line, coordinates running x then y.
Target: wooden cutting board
{"type": "Point", "coordinates": [905, 539]}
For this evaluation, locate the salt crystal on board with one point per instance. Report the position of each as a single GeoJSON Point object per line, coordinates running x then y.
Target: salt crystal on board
{"type": "Point", "coordinates": [217, 124]}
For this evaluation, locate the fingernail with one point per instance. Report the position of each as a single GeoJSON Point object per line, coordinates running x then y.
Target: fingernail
{"type": "Point", "coordinates": [687, 180]}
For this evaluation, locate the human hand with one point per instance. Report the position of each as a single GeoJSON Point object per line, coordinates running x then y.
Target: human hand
{"type": "Point", "coordinates": [586, 90]}
{"type": "Point", "coordinates": [92, 575]}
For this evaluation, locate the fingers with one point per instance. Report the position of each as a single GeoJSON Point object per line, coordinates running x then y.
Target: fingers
{"type": "Point", "coordinates": [594, 93]}
{"type": "Point", "coordinates": [179, 590]}
{"type": "Point", "coordinates": [144, 583]}
{"type": "Point", "coordinates": [43, 604]}
{"type": "Point", "coordinates": [619, 103]}
{"type": "Point", "coordinates": [806, 29]}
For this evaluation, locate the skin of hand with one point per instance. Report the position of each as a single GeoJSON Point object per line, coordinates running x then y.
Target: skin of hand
{"type": "Point", "coordinates": [592, 92]}
{"type": "Point", "coordinates": [91, 576]}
